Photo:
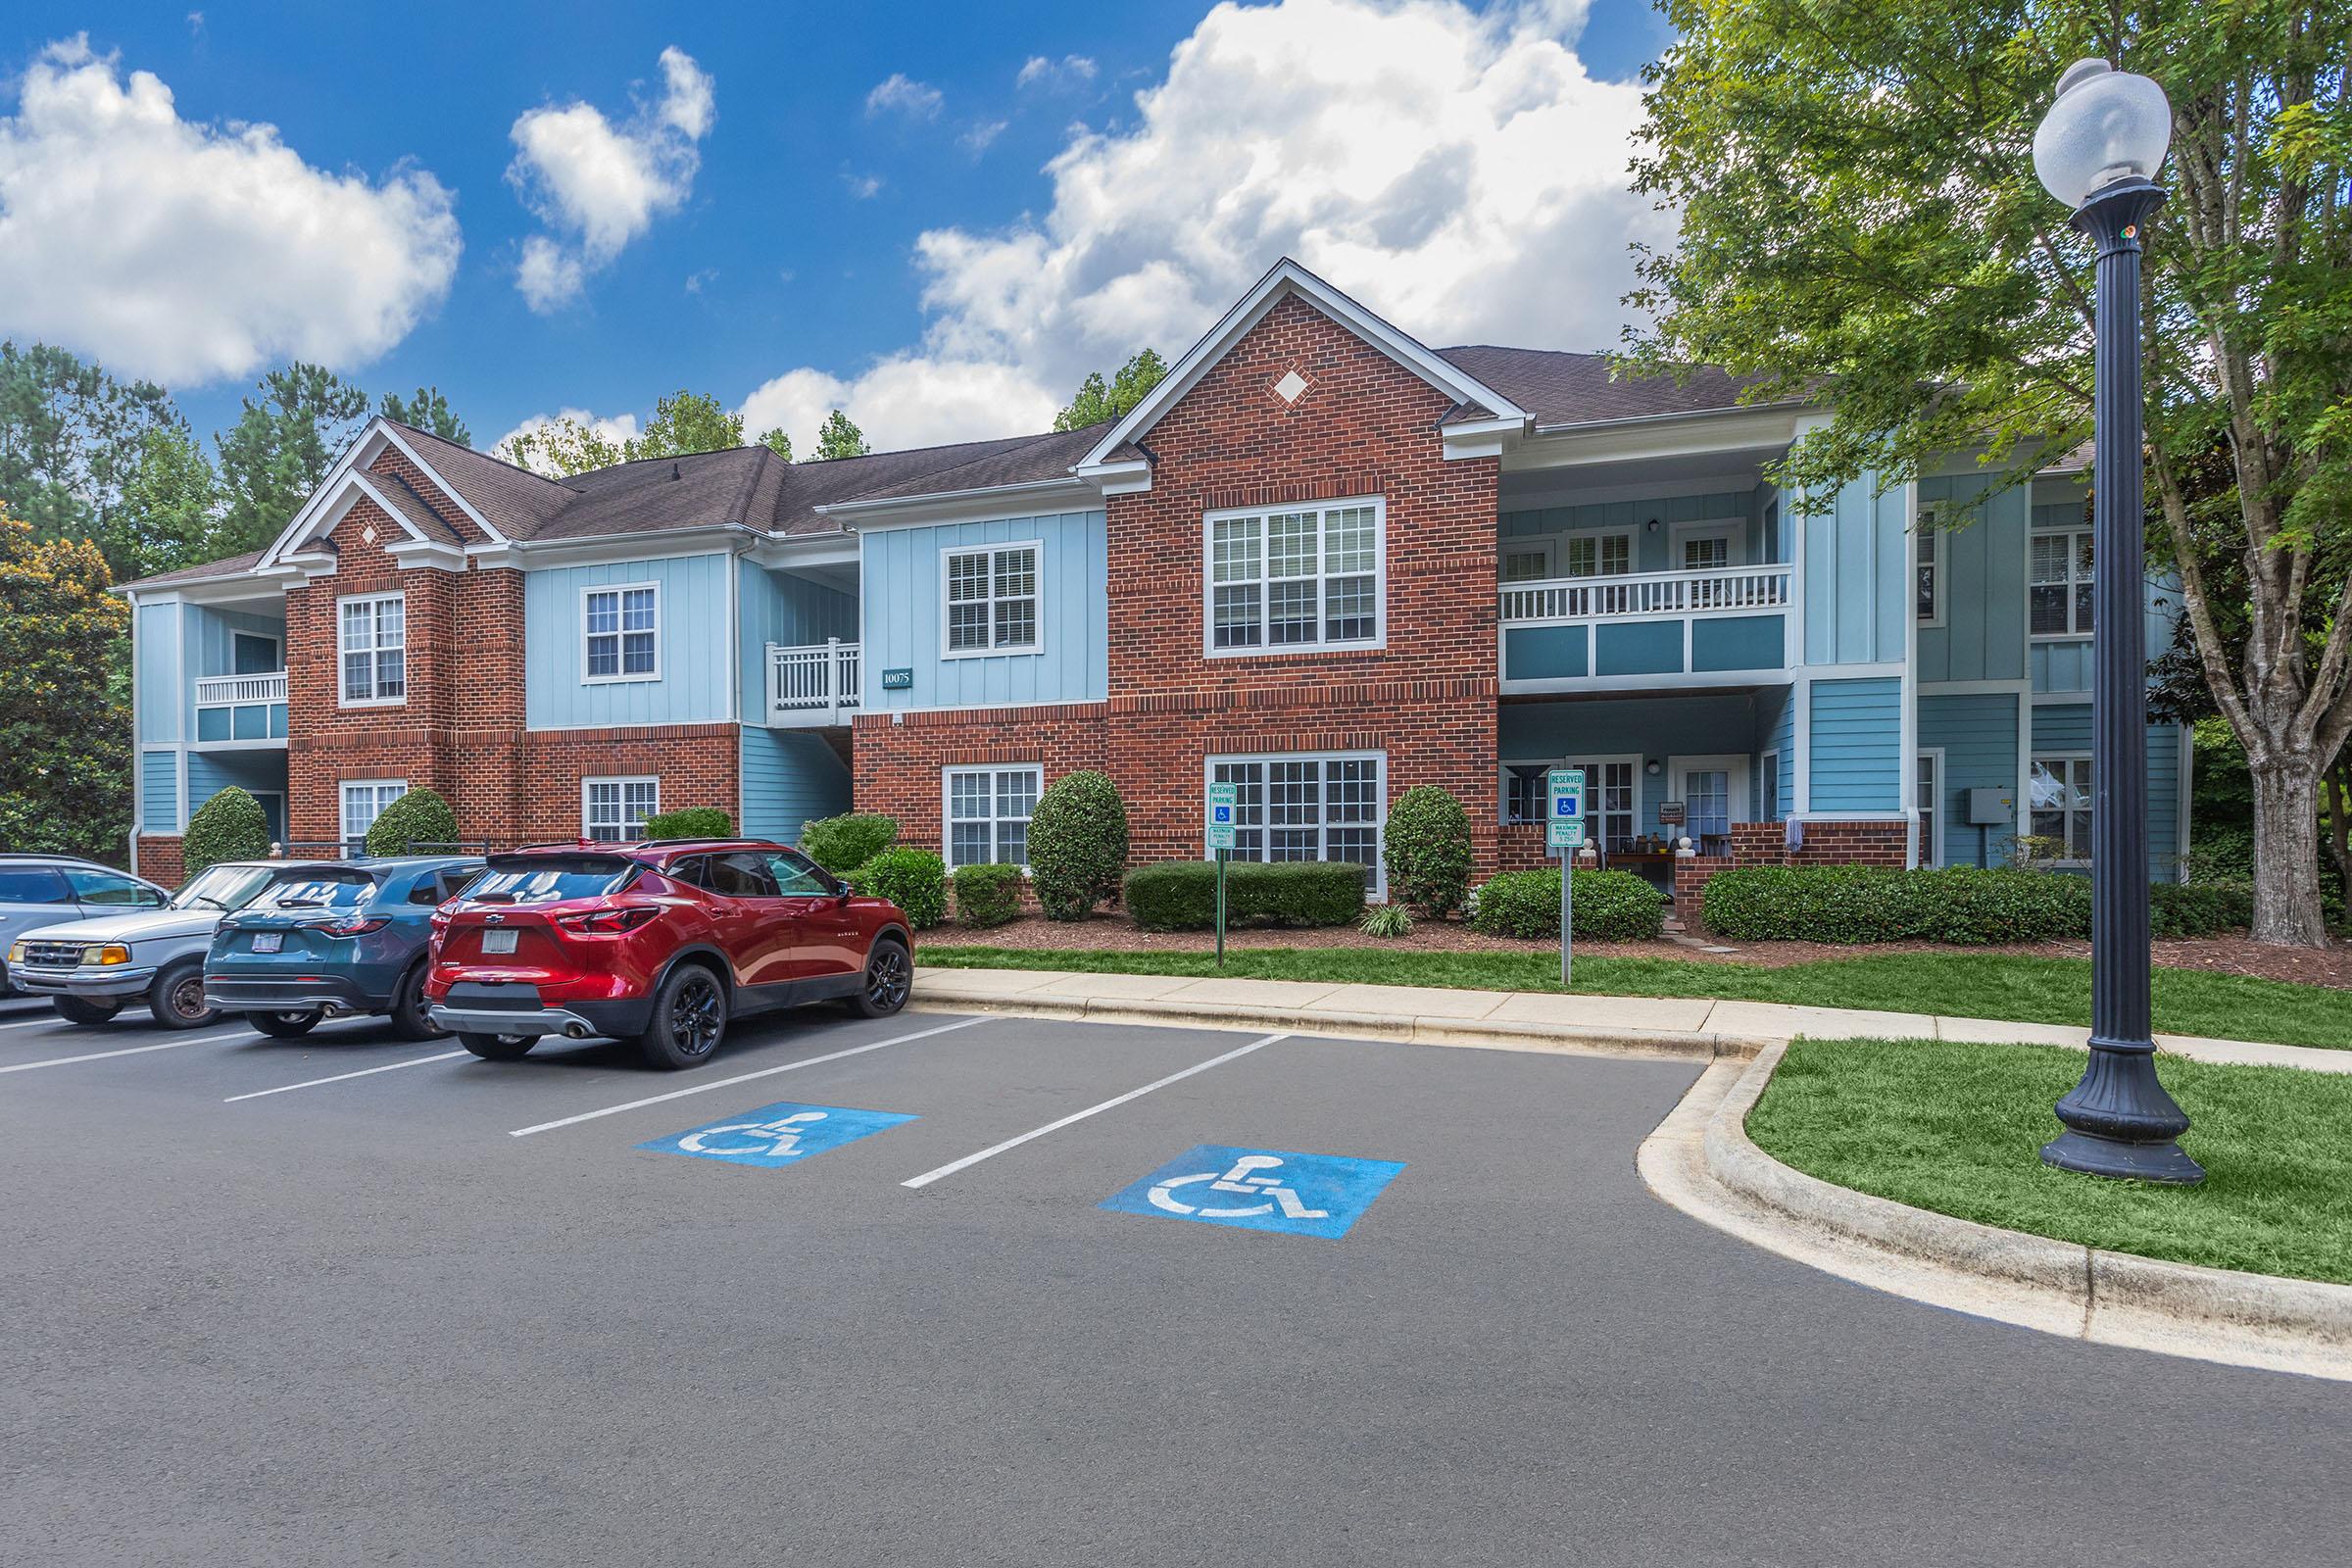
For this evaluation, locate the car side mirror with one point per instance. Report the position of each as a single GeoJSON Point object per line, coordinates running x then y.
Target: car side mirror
{"type": "Point", "coordinates": [841, 888]}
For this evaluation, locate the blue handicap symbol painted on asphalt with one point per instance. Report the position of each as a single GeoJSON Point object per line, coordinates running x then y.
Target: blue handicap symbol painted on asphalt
{"type": "Point", "coordinates": [785, 1133]}
{"type": "Point", "coordinates": [1260, 1190]}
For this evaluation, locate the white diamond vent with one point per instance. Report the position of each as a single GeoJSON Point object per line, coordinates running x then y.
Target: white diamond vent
{"type": "Point", "coordinates": [1289, 386]}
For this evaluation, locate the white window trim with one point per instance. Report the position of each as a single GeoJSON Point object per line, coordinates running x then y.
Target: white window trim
{"type": "Point", "coordinates": [1734, 765]}
{"type": "Point", "coordinates": [343, 696]}
{"type": "Point", "coordinates": [1376, 890]}
{"type": "Point", "coordinates": [2027, 794]}
{"type": "Point", "coordinates": [1733, 529]}
{"type": "Point", "coordinates": [1931, 850]}
{"type": "Point", "coordinates": [619, 589]}
{"type": "Point", "coordinates": [1545, 545]}
{"type": "Point", "coordinates": [1599, 536]}
{"type": "Point", "coordinates": [946, 809]}
{"type": "Point", "coordinates": [1028, 650]}
{"type": "Point", "coordinates": [624, 780]}
{"type": "Point", "coordinates": [1928, 525]}
{"type": "Point", "coordinates": [1502, 782]}
{"type": "Point", "coordinates": [343, 791]}
{"type": "Point", "coordinates": [278, 645]}
{"type": "Point", "coordinates": [2072, 581]}
{"type": "Point", "coordinates": [1768, 767]}
{"type": "Point", "coordinates": [1377, 642]}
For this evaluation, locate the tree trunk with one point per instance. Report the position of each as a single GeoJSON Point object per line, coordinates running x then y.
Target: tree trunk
{"type": "Point", "coordinates": [2286, 833]}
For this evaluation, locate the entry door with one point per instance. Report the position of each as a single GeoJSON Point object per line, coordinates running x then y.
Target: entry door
{"type": "Point", "coordinates": [1713, 791]}
{"type": "Point", "coordinates": [252, 655]}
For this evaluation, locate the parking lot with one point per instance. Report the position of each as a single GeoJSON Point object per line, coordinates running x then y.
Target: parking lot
{"type": "Point", "coordinates": [957, 1289]}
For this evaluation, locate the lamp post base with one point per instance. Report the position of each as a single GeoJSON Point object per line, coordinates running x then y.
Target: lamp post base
{"type": "Point", "coordinates": [2121, 1123]}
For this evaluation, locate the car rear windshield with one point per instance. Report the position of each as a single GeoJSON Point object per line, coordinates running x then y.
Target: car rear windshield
{"type": "Point", "coordinates": [544, 878]}
{"type": "Point", "coordinates": [223, 887]}
{"type": "Point", "coordinates": [316, 890]}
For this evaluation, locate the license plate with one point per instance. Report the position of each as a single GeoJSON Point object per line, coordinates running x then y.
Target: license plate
{"type": "Point", "coordinates": [497, 941]}
{"type": "Point", "coordinates": [268, 941]}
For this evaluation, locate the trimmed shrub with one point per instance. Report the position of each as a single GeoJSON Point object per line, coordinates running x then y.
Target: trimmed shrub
{"type": "Point", "coordinates": [1182, 895]}
{"type": "Point", "coordinates": [1609, 906]}
{"type": "Point", "coordinates": [691, 822]}
{"type": "Point", "coordinates": [842, 844]}
{"type": "Point", "coordinates": [915, 880]}
{"type": "Point", "coordinates": [230, 826]}
{"type": "Point", "coordinates": [2199, 908]}
{"type": "Point", "coordinates": [1869, 903]}
{"type": "Point", "coordinates": [1077, 844]}
{"type": "Point", "coordinates": [987, 895]}
{"type": "Point", "coordinates": [419, 817]}
{"type": "Point", "coordinates": [1427, 849]}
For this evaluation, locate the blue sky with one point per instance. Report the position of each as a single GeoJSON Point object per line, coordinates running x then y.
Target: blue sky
{"type": "Point", "coordinates": [783, 259]}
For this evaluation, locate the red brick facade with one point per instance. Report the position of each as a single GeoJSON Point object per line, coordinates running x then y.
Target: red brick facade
{"type": "Point", "coordinates": [1826, 843]}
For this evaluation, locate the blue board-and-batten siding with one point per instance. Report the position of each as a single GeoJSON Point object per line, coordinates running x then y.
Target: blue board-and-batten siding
{"type": "Point", "coordinates": [1858, 744]}
{"type": "Point", "coordinates": [696, 681]}
{"type": "Point", "coordinates": [902, 613]}
{"type": "Point", "coordinates": [1982, 634]}
{"type": "Point", "coordinates": [1856, 573]}
{"type": "Point", "coordinates": [1977, 733]}
{"type": "Point", "coordinates": [789, 778]}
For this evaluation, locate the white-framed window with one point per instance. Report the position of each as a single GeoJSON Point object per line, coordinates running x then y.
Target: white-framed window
{"type": "Point", "coordinates": [988, 811]}
{"type": "Point", "coordinates": [621, 633]}
{"type": "Point", "coordinates": [1296, 578]}
{"type": "Point", "coordinates": [373, 632]}
{"type": "Point", "coordinates": [2058, 800]}
{"type": "Point", "coordinates": [1612, 798]}
{"type": "Point", "coordinates": [1714, 544]}
{"type": "Point", "coordinates": [364, 800]}
{"type": "Point", "coordinates": [1927, 793]}
{"type": "Point", "coordinates": [1927, 567]}
{"type": "Point", "coordinates": [989, 599]}
{"type": "Point", "coordinates": [1529, 560]}
{"type": "Point", "coordinates": [2058, 595]}
{"type": "Point", "coordinates": [613, 810]}
{"type": "Point", "coordinates": [1600, 554]}
{"type": "Point", "coordinates": [1308, 807]}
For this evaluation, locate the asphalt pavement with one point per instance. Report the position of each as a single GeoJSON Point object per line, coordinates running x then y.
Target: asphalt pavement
{"type": "Point", "coordinates": [351, 1300]}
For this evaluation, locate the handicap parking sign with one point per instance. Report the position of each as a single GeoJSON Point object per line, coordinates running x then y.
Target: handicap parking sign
{"type": "Point", "coordinates": [785, 1133]}
{"type": "Point", "coordinates": [1260, 1190]}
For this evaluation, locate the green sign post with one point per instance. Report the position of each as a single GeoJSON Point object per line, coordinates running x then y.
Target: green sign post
{"type": "Point", "coordinates": [1223, 799]}
{"type": "Point", "coordinates": [1564, 832]}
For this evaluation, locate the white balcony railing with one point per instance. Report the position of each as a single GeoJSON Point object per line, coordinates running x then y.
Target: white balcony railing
{"type": "Point", "coordinates": [812, 685]}
{"type": "Point", "coordinates": [1648, 593]}
{"type": "Point", "coordinates": [215, 691]}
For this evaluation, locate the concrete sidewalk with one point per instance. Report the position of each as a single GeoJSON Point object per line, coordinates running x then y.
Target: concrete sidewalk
{"type": "Point", "coordinates": [1528, 1021]}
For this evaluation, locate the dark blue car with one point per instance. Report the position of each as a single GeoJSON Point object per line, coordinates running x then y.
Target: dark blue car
{"type": "Point", "coordinates": [335, 937]}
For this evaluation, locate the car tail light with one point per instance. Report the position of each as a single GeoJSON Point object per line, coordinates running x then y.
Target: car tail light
{"type": "Point", "coordinates": [605, 922]}
{"type": "Point", "coordinates": [356, 925]}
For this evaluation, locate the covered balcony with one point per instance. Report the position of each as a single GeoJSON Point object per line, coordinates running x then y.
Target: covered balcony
{"type": "Point", "coordinates": [814, 686]}
{"type": "Point", "coordinates": [232, 709]}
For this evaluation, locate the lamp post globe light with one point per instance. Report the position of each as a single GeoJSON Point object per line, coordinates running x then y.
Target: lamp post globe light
{"type": "Point", "coordinates": [2097, 151]}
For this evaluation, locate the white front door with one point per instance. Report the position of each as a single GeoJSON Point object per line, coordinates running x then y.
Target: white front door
{"type": "Point", "coordinates": [1713, 791]}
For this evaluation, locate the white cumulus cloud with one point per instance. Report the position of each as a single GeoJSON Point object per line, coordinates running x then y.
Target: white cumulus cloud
{"type": "Point", "coordinates": [1070, 71]}
{"type": "Point", "coordinates": [187, 252]}
{"type": "Point", "coordinates": [896, 93]}
{"type": "Point", "coordinates": [1457, 171]}
{"type": "Point", "coordinates": [599, 185]}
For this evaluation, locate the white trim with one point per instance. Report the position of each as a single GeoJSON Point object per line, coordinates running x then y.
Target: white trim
{"type": "Point", "coordinates": [1502, 779]}
{"type": "Point", "coordinates": [1322, 511]}
{"type": "Point", "coordinates": [1734, 765]}
{"type": "Point", "coordinates": [285, 823]}
{"type": "Point", "coordinates": [343, 789]}
{"type": "Point", "coordinates": [1801, 740]}
{"type": "Point", "coordinates": [623, 781]}
{"type": "Point", "coordinates": [440, 483]}
{"type": "Point", "coordinates": [1972, 688]}
{"type": "Point", "coordinates": [1732, 530]}
{"type": "Point", "coordinates": [1768, 767]}
{"type": "Point", "coordinates": [982, 504]}
{"type": "Point", "coordinates": [2073, 533]}
{"type": "Point", "coordinates": [1706, 681]}
{"type": "Point", "coordinates": [1599, 536]}
{"type": "Point", "coordinates": [1930, 853]}
{"type": "Point", "coordinates": [620, 633]}
{"type": "Point", "coordinates": [1907, 693]}
{"type": "Point", "coordinates": [343, 696]}
{"type": "Point", "coordinates": [1542, 544]}
{"type": "Point", "coordinates": [276, 642]}
{"type": "Point", "coordinates": [996, 822]}
{"type": "Point", "coordinates": [1932, 517]}
{"type": "Point", "coordinates": [2026, 807]}
{"type": "Point", "coordinates": [1036, 595]}
{"type": "Point", "coordinates": [329, 492]}
{"type": "Point", "coordinates": [1376, 887]}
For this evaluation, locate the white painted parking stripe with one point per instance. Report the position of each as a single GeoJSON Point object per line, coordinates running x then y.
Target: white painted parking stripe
{"type": "Point", "coordinates": [313, 1083]}
{"type": "Point", "coordinates": [744, 1078]}
{"type": "Point", "coordinates": [127, 1051]}
{"type": "Point", "coordinates": [49, 1018]}
{"type": "Point", "coordinates": [968, 1160]}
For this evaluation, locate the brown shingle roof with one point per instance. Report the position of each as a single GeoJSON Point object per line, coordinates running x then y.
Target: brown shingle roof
{"type": "Point", "coordinates": [225, 566]}
{"type": "Point", "coordinates": [1564, 388]}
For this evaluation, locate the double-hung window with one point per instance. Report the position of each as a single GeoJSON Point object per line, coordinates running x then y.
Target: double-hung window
{"type": "Point", "coordinates": [1322, 808]}
{"type": "Point", "coordinates": [992, 599]}
{"type": "Point", "coordinates": [987, 815]}
{"type": "Point", "coordinates": [1295, 580]}
{"type": "Point", "coordinates": [613, 810]}
{"type": "Point", "coordinates": [1927, 568]}
{"type": "Point", "coordinates": [2059, 595]}
{"type": "Point", "coordinates": [373, 639]}
{"type": "Point", "coordinates": [1600, 554]}
{"type": "Point", "coordinates": [364, 800]}
{"type": "Point", "coordinates": [1928, 793]}
{"type": "Point", "coordinates": [622, 627]}
{"type": "Point", "coordinates": [2058, 797]}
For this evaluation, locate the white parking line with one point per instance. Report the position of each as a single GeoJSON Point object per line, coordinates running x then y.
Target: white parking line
{"type": "Point", "coordinates": [127, 1051]}
{"type": "Point", "coordinates": [313, 1083]}
{"type": "Point", "coordinates": [744, 1077]}
{"type": "Point", "coordinates": [968, 1160]}
{"type": "Point", "coordinates": [50, 1019]}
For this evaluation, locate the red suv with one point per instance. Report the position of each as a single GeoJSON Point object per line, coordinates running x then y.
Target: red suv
{"type": "Point", "coordinates": [657, 942]}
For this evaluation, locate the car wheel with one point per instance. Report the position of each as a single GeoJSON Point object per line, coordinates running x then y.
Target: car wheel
{"type": "Point", "coordinates": [690, 1014]}
{"type": "Point", "coordinates": [499, 1048]}
{"type": "Point", "coordinates": [89, 1014]}
{"type": "Point", "coordinates": [410, 1019]}
{"type": "Point", "coordinates": [285, 1025]}
{"type": "Point", "coordinates": [176, 998]}
{"type": "Point", "coordinates": [889, 977]}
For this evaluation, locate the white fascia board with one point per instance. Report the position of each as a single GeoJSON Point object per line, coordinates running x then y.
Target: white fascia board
{"type": "Point", "coordinates": [394, 437]}
{"type": "Point", "coordinates": [1285, 279]}
{"type": "Point", "coordinates": [367, 445]}
{"type": "Point", "coordinates": [427, 553]}
{"type": "Point", "coordinates": [1658, 435]}
{"type": "Point", "coordinates": [1131, 476]}
{"type": "Point", "coordinates": [360, 482]}
{"type": "Point", "coordinates": [806, 550]}
{"type": "Point", "coordinates": [1036, 498]}
{"type": "Point", "coordinates": [701, 539]}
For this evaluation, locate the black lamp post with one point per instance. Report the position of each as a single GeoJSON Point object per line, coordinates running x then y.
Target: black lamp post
{"type": "Point", "coordinates": [2096, 151]}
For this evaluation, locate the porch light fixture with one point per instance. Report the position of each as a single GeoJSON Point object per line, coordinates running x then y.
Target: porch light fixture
{"type": "Point", "coordinates": [2097, 151]}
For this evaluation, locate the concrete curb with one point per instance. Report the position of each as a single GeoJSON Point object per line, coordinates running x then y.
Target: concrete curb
{"type": "Point", "coordinates": [2109, 1298]}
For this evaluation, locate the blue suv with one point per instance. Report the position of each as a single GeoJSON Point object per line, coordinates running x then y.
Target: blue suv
{"type": "Point", "coordinates": [335, 937]}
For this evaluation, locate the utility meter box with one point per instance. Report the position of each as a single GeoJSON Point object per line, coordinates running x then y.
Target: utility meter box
{"type": "Point", "coordinates": [1987, 808]}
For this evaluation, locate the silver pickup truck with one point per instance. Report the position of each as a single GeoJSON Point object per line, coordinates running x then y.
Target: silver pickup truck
{"type": "Point", "coordinates": [92, 969]}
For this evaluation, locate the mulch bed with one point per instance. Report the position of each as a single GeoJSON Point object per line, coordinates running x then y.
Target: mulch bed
{"type": "Point", "coordinates": [2328, 966]}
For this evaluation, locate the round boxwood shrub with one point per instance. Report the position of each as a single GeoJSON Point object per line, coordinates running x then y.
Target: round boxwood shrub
{"type": "Point", "coordinates": [1427, 849]}
{"type": "Point", "coordinates": [1182, 895]}
{"type": "Point", "coordinates": [987, 895]}
{"type": "Point", "coordinates": [419, 817]}
{"type": "Point", "coordinates": [1609, 906]}
{"type": "Point", "coordinates": [842, 844]}
{"type": "Point", "coordinates": [230, 826]}
{"type": "Point", "coordinates": [691, 822]}
{"type": "Point", "coordinates": [1077, 844]}
{"type": "Point", "coordinates": [915, 880]}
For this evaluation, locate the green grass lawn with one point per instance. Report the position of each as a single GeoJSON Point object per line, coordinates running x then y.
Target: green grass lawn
{"type": "Point", "coordinates": [2189, 1001]}
{"type": "Point", "coordinates": [1959, 1129]}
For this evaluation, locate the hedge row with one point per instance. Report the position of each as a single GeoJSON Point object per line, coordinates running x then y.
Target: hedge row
{"type": "Point", "coordinates": [1961, 905]}
{"type": "Point", "coordinates": [1608, 906]}
{"type": "Point", "coordinates": [1182, 895]}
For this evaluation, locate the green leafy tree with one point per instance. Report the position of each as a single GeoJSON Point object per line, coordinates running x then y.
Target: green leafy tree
{"type": "Point", "coordinates": [838, 437]}
{"type": "Point", "coordinates": [282, 449]}
{"type": "Point", "coordinates": [560, 448]}
{"type": "Point", "coordinates": [778, 442]}
{"type": "Point", "coordinates": [1097, 402]}
{"type": "Point", "coordinates": [230, 826]}
{"type": "Point", "coordinates": [170, 511]}
{"type": "Point", "coordinates": [64, 734]}
{"type": "Point", "coordinates": [428, 409]}
{"type": "Point", "coordinates": [686, 423]}
{"type": "Point", "coordinates": [1859, 208]}
{"type": "Point", "coordinates": [70, 437]}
